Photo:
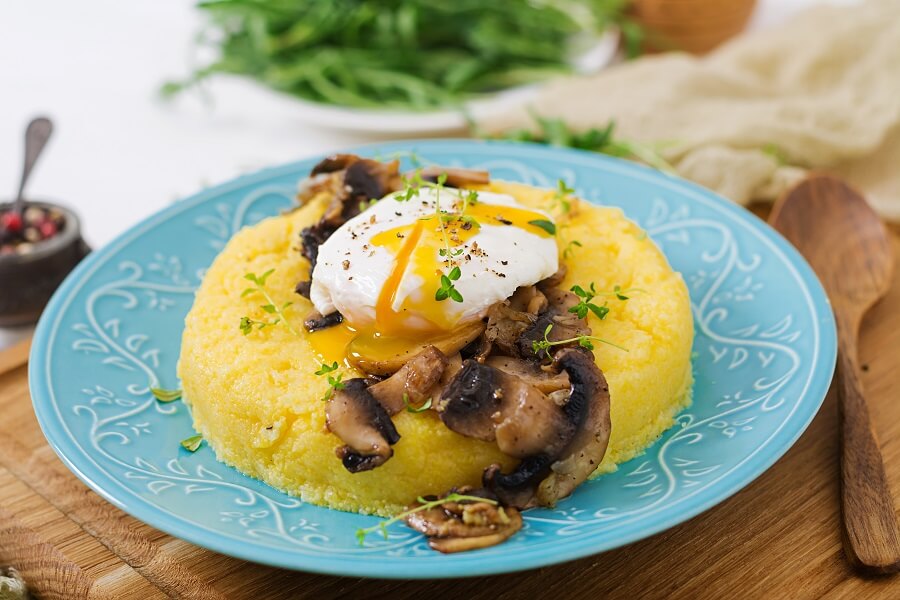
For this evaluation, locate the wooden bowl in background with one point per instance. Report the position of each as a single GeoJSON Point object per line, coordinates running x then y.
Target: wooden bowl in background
{"type": "Point", "coordinates": [695, 26]}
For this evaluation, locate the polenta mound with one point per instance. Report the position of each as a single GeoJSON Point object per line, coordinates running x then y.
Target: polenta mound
{"type": "Point", "coordinates": [258, 403]}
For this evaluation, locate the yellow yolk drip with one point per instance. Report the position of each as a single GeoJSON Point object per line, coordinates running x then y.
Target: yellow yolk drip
{"type": "Point", "coordinates": [419, 249]}
{"type": "Point", "coordinates": [408, 242]}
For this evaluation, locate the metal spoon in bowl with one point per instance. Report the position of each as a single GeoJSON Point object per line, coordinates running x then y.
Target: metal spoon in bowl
{"type": "Point", "coordinates": [36, 135]}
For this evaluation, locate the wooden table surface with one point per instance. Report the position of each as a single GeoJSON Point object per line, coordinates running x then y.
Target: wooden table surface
{"type": "Point", "coordinates": [777, 538]}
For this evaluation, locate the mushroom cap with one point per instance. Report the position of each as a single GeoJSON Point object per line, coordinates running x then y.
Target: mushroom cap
{"type": "Point", "coordinates": [355, 416]}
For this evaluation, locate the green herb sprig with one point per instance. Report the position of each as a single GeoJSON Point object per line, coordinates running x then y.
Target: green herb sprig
{"type": "Point", "coordinates": [335, 382]}
{"type": "Point", "coordinates": [413, 185]}
{"type": "Point", "coordinates": [424, 505]}
{"type": "Point", "coordinates": [586, 305]}
{"type": "Point", "coordinates": [585, 341]}
{"type": "Point", "coordinates": [448, 289]}
{"type": "Point", "coordinates": [562, 197]}
{"type": "Point", "coordinates": [587, 295]}
{"type": "Point", "coordinates": [259, 282]}
{"type": "Point", "coordinates": [555, 132]}
{"type": "Point", "coordinates": [390, 53]}
{"type": "Point", "coordinates": [570, 248]}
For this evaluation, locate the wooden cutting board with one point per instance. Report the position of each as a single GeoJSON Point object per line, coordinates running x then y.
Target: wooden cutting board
{"type": "Point", "coordinates": [778, 538]}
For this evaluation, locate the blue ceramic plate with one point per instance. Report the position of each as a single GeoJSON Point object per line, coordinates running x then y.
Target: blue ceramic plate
{"type": "Point", "coordinates": [764, 355]}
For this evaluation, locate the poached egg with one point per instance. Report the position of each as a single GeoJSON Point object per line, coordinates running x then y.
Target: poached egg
{"type": "Point", "coordinates": [382, 269]}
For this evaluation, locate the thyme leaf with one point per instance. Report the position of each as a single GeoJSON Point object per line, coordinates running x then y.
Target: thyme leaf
{"type": "Point", "coordinates": [410, 408]}
{"type": "Point", "coordinates": [247, 324]}
{"type": "Point", "coordinates": [544, 224]}
{"type": "Point", "coordinates": [164, 395]}
{"type": "Point", "coordinates": [192, 443]}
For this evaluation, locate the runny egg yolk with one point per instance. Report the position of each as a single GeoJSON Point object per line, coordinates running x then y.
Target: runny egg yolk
{"type": "Point", "coordinates": [426, 248]}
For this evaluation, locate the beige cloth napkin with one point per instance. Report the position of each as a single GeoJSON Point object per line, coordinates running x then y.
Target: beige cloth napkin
{"type": "Point", "coordinates": [820, 92]}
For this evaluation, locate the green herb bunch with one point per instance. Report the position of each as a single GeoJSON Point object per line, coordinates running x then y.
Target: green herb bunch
{"type": "Point", "coordinates": [407, 54]}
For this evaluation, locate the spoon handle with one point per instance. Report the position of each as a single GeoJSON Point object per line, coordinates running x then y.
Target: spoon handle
{"type": "Point", "coordinates": [36, 136]}
{"type": "Point", "coordinates": [871, 539]}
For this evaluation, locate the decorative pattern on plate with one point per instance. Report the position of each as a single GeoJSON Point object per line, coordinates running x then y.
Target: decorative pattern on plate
{"type": "Point", "coordinates": [113, 331]}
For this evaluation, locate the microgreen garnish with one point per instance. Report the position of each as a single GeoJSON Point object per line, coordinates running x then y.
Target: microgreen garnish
{"type": "Point", "coordinates": [192, 443]}
{"type": "Point", "coordinates": [364, 205]}
{"type": "Point", "coordinates": [471, 199]}
{"type": "Point", "coordinates": [544, 224]}
{"type": "Point", "coordinates": [399, 154]}
{"type": "Point", "coordinates": [424, 505]}
{"type": "Point", "coordinates": [584, 341]}
{"type": "Point", "coordinates": [562, 195]}
{"type": "Point", "coordinates": [413, 409]}
{"type": "Point", "coordinates": [570, 248]}
{"type": "Point", "coordinates": [326, 368]}
{"type": "Point", "coordinates": [164, 395]}
{"type": "Point", "coordinates": [447, 289]}
{"type": "Point", "coordinates": [247, 324]}
{"type": "Point", "coordinates": [557, 132]}
{"type": "Point", "coordinates": [581, 309]}
{"type": "Point", "coordinates": [335, 382]}
{"type": "Point", "coordinates": [413, 184]}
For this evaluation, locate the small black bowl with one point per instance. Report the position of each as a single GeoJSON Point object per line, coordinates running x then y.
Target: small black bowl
{"type": "Point", "coordinates": [28, 280]}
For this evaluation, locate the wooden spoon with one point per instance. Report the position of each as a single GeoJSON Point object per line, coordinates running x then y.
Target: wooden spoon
{"type": "Point", "coordinates": [849, 249]}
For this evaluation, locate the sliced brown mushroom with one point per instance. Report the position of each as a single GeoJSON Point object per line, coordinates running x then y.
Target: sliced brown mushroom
{"type": "Point", "coordinates": [544, 379]}
{"type": "Point", "coordinates": [335, 162]}
{"type": "Point", "coordinates": [589, 405]}
{"type": "Point", "coordinates": [316, 321]}
{"type": "Point", "coordinates": [528, 299]}
{"type": "Point", "coordinates": [359, 420]}
{"type": "Point", "coordinates": [487, 404]}
{"type": "Point", "coordinates": [544, 478]}
{"type": "Point", "coordinates": [415, 380]}
{"type": "Point", "coordinates": [560, 442]}
{"type": "Point", "coordinates": [303, 288]}
{"type": "Point", "coordinates": [466, 525]}
{"type": "Point", "coordinates": [351, 181]}
{"type": "Point", "coordinates": [565, 325]}
{"type": "Point", "coordinates": [505, 325]}
{"type": "Point", "coordinates": [471, 400]}
{"type": "Point", "coordinates": [456, 177]}
{"type": "Point", "coordinates": [374, 355]}
{"type": "Point", "coordinates": [454, 364]}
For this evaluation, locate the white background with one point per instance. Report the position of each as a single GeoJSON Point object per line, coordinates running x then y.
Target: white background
{"type": "Point", "coordinates": [119, 153]}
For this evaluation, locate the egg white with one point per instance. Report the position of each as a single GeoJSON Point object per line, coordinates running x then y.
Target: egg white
{"type": "Point", "coordinates": [351, 271]}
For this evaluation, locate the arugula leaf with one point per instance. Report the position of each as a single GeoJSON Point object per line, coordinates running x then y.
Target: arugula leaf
{"type": "Point", "coordinates": [398, 54]}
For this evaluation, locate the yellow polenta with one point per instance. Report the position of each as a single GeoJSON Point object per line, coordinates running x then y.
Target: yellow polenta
{"type": "Point", "coordinates": [257, 401]}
